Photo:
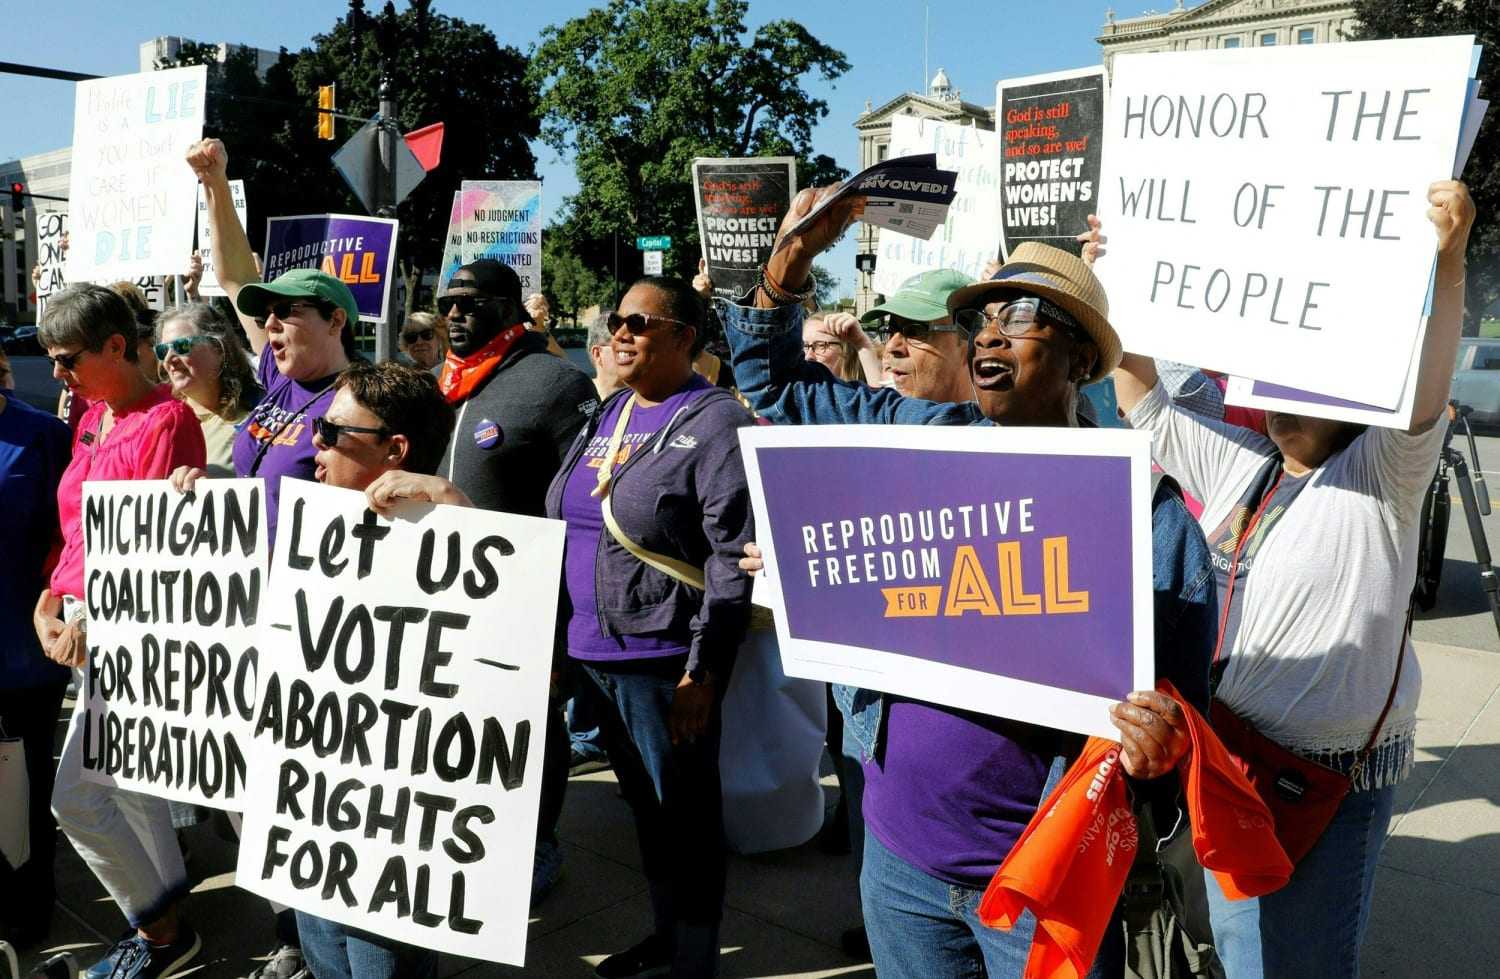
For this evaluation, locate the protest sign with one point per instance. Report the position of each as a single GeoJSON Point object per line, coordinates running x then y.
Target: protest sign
{"type": "Point", "coordinates": [453, 245]}
{"type": "Point", "coordinates": [1000, 570]}
{"type": "Point", "coordinates": [1266, 207]}
{"type": "Point", "coordinates": [360, 251]}
{"type": "Point", "coordinates": [398, 736]}
{"type": "Point", "coordinates": [502, 220]}
{"type": "Point", "coordinates": [967, 239]}
{"type": "Point", "coordinates": [130, 193]}
{"type": "Point", "coordinates": [1050, 150]}
{"type": "Point", "coordinates": [51, 228]}
{"type": "Point", "coordinates": [908, 194]}
{"type": "Point", "coordinates": [208, 285]}
{"type": "Point", "coordinates": [173, 584]}
{"type": "Point", "coordinates": [154, 289]}
{"type": "Point", "coordinates": [740, 206]}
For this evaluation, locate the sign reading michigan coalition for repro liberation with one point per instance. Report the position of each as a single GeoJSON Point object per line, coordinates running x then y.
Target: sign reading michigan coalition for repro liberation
{"type": "Point", "coordinates": [1000, 570]}
{"type": "Point", "coordinates": [398, 735]}
{"type": "Point", "coordinates": [173, 583]}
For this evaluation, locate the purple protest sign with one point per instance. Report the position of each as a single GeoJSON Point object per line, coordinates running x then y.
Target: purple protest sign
{"type": "Point", "coordinates": [359, 250]}
{"type": "Point", "coordinates": [999, 570]}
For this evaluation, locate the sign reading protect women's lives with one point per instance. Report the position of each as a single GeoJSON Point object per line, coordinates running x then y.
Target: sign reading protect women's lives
{"type": "Point", "coordinates": [173, 585]}
{"type": "Point", "coordinates": [740, 206]}
{"type": "Point", "coordinates": [130, 196]}
{"type": "Point", "coordinates": [398, 735]}
{"type": "Point", "coordinates": [208, 285]}
{"type": "Point", "coordinates": [967, 240]}
{"type": "Point", "coordinates": [999, 570]}
{"type": "Point", "coordinates": [1266, 207]}
{"type": "Point", "coordinates": [359, 250]}
{"type": "Point", "coordinates": [51, 231]}
{"type": "Point", "coordinates": [1050, 152]}
{"type": "Point", "coordinates": [502, 220]}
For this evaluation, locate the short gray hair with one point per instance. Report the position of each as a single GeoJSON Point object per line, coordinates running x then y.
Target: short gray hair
{"type": "Point", "coordinates": [88, 315]}
{"type": "Point", "coordinates": [600, 332]}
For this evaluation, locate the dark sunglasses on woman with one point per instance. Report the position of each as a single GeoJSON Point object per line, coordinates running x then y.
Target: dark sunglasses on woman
{"type": "Point", "coordinates": [638, 323]}
{"type": "Point", "coordinates": [329, 432]}
{"type": "Point", "coordinates": [416, 335]}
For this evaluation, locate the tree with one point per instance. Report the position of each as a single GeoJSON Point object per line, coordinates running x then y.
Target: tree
{"type": "Point", "coordinates": [568, 283]}
{"type": "Point", "coordinates": [635, 90]}
{"type": "Point", "coordinates": [1432, 18]}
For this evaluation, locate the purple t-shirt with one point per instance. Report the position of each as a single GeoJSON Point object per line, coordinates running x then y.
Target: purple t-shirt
{"type": "Point", "coordinates": [953, 790]}
{"type": "Point", "coordinates": [275, 440]}
{"type": "Point", "coordinates": [586, 522]}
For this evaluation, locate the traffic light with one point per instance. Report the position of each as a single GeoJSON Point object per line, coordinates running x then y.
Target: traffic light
{"type": "Point", "coordinates": [17, 191]}
{"type": "Point", "coordinates": [325, 113]}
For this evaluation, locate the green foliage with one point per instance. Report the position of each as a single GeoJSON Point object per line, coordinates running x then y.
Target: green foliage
{"type": "Point", "coordinates": [634, 90]}
{"type": "Point", "coordinates": [828, 287]}
{"type": "Point", "coordinates": [568, 283]}
{"type": "Point", "coordinates": [1433, 18]}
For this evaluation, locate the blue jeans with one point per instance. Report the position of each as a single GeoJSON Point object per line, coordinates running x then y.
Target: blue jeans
{"type": "Point", "coordinates": [675, 794]}
{"type": "Point", "coordinates": [583, 730]}
{"type": "Point", "coordinates": [336, 951]}
{"type": "Point", "coordinates": [1314, 925]}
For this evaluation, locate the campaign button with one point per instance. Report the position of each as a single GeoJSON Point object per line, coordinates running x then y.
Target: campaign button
{"type": "Point", "coordinates": [487, 434]}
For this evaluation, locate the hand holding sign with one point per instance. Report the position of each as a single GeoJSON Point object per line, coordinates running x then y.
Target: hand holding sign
{"type": "Point", "coordinates": [791, 263]}
{"type": "Point", "coordinates": [1452, 213]}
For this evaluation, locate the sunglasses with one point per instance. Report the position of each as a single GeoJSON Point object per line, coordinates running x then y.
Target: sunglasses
{"type": "Point", "coordinates": [329, 432]}
{"type": "Point", "coordinates": [182, 346]}
{"type": "Point", "coordinates": [638, 323]}
{"type": "Point", "coordinates": [464, 304]}
{"type": "Point", "coordinates": [66, 361]}
{"type": "Point", "coordinates": [913, 331]}
{"type": "Point", "coordinates": [284, 311]}
{"type": "Point", "coordinates": [1018, 318]}
{"type": "Point", "coordinates": [416, 335]}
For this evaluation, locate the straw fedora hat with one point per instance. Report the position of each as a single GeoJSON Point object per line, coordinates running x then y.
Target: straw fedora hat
{"type": "Point", "coordinates": [1062, 277]}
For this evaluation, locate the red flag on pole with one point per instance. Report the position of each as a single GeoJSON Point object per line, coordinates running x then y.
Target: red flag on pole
{"type": "Point", "coordinates": [427, 145]}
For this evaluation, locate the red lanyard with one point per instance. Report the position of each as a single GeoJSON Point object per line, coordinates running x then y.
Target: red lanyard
{"type": "Point", "coordinates": [1234, 566]}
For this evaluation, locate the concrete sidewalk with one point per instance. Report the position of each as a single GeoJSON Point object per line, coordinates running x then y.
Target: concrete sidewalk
{"type": "Point", "coordinates": [1437, 894]}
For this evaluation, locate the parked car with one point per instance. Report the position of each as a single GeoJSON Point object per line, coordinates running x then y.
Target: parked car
{"type": "Point", "coordinates": [23, 341]}
{"type": "Point", "coordinates": [1476, 378]}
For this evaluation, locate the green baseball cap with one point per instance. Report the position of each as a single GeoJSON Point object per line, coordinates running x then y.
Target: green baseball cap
{"type": "Point", "coordinates": [255, 297]}
{"type": "Point", "coordinates": [923, 298]}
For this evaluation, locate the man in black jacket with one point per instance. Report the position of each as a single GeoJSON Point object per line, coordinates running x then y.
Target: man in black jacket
{"type": "Point", "coordinates": [519, 409]}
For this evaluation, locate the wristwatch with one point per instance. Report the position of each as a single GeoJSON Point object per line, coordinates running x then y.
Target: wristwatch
{"type": "Point", "coordinates": [700, 677]}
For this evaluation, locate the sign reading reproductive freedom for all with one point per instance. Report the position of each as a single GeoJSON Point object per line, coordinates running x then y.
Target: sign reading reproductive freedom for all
{"type": "Point", "coordinates": [398, 736]}
{"type": "Point", "coordinates": [740, 205]}
{"type": "Point", "coordinates": [1266, 207]}
{"type": "Point", "coordinates": [502, 220]}
{"type": "Point", "coordinates": [1000, 570]}
{"type": "Point", "coordinates": [359, 250]}
{"type": "Point", "coordinates": [173, 584]}
{"type": "Point", "coordinates": [1050, 153]}
{"type": "Point", "coordinates": [130, 196]}
{"type": "Point", "coordinates": [967, 239]}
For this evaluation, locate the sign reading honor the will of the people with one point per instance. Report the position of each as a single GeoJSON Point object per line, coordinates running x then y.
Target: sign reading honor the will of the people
{"type": "Point", "coordinates": [130, 195]}
{"type": "Point", "coordinates": [209, 284]}
{"type": "Point", "coordinates": [1050, 151]}
{"type": "Point", "coordinates": [1266, 208]}
{"type": "Point", "coordinates": [967, 239]}
{"type": "Point", "coordinates": [398, 735]}
{"type": "Point", "coordinates": [502, 220]}
{"type": "Point", "coordinates": [1000, 570]}
{"type": "Point", "coordinates": [740, 206]}
{"type": "Point", "coordinates": [173, 583]}
{"type": "Point", "coordinates": [359, 250]}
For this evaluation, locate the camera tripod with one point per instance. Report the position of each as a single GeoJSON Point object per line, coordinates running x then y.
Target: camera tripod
{"type": "Point", "coordinates": [1436, 507]}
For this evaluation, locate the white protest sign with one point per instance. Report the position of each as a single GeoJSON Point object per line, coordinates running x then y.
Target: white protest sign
{"type": "Point", "coordinates": [970, 236]}
{"type": "Point", "coordinates": [452, 245]}
{"type": "Point", "coordinates": [173, 583]}
{"type": "Point", "coordinates": [502, 220]}
{"type": "Point", "coordinates": [1266, 207]}
{"type": "Point", "coordinates": [51, 229]}
{"type": "Point", "coordinates": [399, 730]}
{"type": "Point", "coordinates": [208, 285]}
{"type": "Point", "coordinates": [130, 197]}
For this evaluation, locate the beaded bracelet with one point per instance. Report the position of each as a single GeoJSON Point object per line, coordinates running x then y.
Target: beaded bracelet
{"type": "Point", "coordinates": [782, 297]}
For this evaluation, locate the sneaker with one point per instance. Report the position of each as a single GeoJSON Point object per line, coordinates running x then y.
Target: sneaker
{"type": "Point", "coordinates": [648, 958]}
{"type": "Point", "coordinates": [546, 868]}
{"type": "Point", "coordinates": [284, 962]}
{"type": "Point", "coordinates": [581, 764]}
{"type": "Point", "coordinates": [105, 967]}
{"type": "Point", "coordinates": [136, 958]}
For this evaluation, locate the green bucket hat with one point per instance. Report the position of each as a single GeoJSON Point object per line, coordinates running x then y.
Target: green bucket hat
{"type": "Point", "coordinates": [255, 297]}
{"type": "Point", "coordinates": [923, 298]}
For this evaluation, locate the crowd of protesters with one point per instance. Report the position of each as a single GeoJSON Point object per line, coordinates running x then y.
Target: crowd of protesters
{"type": "Point", "coordinates": [485, 411]}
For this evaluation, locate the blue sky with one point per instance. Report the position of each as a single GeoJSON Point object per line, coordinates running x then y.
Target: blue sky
{"type": "Point", "coordinates": [977, 43]}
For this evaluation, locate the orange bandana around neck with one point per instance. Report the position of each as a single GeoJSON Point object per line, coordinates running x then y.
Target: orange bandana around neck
{"type": "Point", "coordinates": [461, 375]}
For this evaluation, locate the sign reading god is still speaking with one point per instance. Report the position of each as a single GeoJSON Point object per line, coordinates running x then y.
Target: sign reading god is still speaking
{"type": "Point", "coordinates": [398, 733]}
{"type": "Point", "coordinates": [1266, 208]}
{"type": "Point", "coordinates": [1005, 571]}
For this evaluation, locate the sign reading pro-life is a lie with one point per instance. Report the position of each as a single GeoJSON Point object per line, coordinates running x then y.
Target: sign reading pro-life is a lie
{"type": "Point", "coordinates": [1000, 570]}
{"type": "Point", "coordinates": [1265, 208]}
{"type": "Point", "coordinates": [173, 583]}
{"type": "Point", "coordinates": [398, 739]}
{"type": "Point", "coordinates": [130, 195]}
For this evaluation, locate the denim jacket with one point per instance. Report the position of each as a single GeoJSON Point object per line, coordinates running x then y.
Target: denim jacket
{"type": "Point", "coordinates": [787, 389]}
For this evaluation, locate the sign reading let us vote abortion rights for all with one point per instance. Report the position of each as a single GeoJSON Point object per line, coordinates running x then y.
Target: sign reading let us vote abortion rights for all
{"type": "Point", "coordinates": [1006, 571]}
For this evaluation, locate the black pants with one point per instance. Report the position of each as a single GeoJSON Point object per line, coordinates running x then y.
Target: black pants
{"type": "Point", "coordinates": [27, 894]}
